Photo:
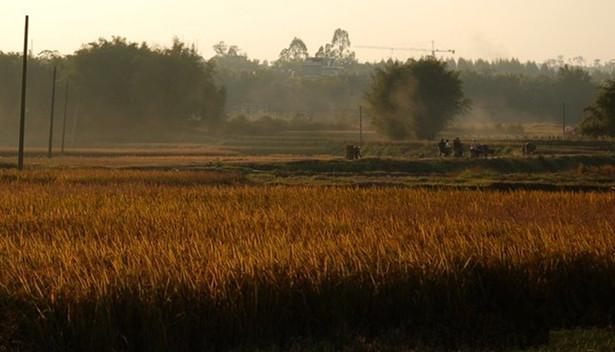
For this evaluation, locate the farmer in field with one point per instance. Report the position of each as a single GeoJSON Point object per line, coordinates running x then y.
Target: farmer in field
{"type": "Point", "coordinates": [444, 147]}
{"type": "Point", "coordinates": [475, 149]}
{"type": "Point", "coordinates": [353, 152]}
{"type": "Point", "coordinates": [478, 150]}
{"type": "Point", "coordinates": [441, 145]}
{"type": "Point", "coordinates": [529, 148]}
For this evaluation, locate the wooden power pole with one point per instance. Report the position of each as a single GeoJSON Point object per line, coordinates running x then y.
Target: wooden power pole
{"type": "Point", "coordinates": [64, 119]}
{"type": "Point", "coordinates": [53, 103]}
{"type": "Point", "coordinates": [24, 76]}
{"type": "Point", "coordinates": [563, 120]}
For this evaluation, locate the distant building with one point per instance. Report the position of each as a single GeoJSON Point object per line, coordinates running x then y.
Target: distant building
{"type": "Point", "coordinates": [320, 66]}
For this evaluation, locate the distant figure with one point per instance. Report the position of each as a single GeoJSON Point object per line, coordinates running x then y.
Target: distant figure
{"type": "Point", "coordinates": [475, 149]}
{"type": "Point", "coordinates": [444, 148]}
{"type": "Point", "coordinates": [529, 148]}
{"type": "Point", "coordinates": [478, 150]}
{"type": "Point", "coordinates": [357, 152]}
{"type": "Point", "coordinates": [457, 148]}
{"type": "Point", "coordinates": [353, 152]}
{"type": "Point", "coordinates": [441, 145]}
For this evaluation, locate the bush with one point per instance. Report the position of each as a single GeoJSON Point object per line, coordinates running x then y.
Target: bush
{"type": "Point", "coordinates": [418, 98]}
{"type": "Point", "coordinates": [599, 117]}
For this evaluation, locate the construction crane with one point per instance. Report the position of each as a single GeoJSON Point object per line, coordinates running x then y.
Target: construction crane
{"type": "Point", "coordinates": [433, 49]}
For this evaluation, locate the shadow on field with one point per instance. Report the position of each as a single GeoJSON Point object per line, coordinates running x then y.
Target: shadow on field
{"type": "Point", "coordinates": [104, 177]}
{"type": "Point", "coordinates": [434, 166]}
{"type": "Point", "coordinates": [485, 308]}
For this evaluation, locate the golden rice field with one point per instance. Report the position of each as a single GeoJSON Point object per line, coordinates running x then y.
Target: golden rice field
{"type": "Point", "coordinates": [130, 260]}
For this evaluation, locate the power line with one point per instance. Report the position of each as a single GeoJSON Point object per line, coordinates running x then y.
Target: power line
{"type": "Point", "coordinates": [433, 49]}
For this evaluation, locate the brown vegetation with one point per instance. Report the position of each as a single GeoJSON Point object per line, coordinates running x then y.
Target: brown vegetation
{"type": "Point", "coordinates": [184, 265]}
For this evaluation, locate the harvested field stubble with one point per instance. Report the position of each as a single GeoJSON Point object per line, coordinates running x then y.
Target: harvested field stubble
{"type": "Point", "coordinates": [145, 266]}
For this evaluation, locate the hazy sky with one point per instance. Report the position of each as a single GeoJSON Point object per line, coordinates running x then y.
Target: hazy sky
{"type": "Point", "coordinates": [527, 29]}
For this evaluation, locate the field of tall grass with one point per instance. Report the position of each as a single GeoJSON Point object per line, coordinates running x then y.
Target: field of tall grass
{"type": "Point", "coordinates": [101, 260]}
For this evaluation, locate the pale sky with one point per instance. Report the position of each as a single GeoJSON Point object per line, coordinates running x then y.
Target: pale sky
{"type": "Point", "coordinates": [526, 29]}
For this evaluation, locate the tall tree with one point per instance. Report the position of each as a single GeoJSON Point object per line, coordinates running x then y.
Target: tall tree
{"type": "Point", "coordinates": [415, 99]}
{"type": "Point", "coordinates": [339, 49]}
{"type": "Point", "coordinates": [124, 87]}
{"type": "Point", "coordinates": [599, 117]}
{"type": "Point", "coordinates": [296, 52]}
{"type": "Point", "coordinates": [220, 48]}
{"type": "Point", "coordinates": [574, 87]}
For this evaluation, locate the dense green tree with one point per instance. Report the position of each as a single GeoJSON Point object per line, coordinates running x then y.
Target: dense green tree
{"type": "Point", "coordinates": [574, 87]}
{"type": "Point", "coordinates": [418, 98]}
{"type": "Point", "coordinates": [120, 89]}
{"type": "Point", "coordinates": [125, 87]}
{"type": "Point", "coordinates": [599, 117]}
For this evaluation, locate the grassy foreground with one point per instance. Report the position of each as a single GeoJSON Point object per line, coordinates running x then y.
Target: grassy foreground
{"type": "Point", "coordinates": [131, 260]}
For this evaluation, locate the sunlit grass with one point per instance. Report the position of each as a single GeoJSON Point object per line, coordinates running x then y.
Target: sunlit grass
{"type": "Point", "coordinates": [100, 258]}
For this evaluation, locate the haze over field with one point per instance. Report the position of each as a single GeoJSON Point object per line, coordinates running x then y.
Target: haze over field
{"type": "Point", "coordinates": [526, 29]}
{"type": "Point", "coordinates": [238, 175]}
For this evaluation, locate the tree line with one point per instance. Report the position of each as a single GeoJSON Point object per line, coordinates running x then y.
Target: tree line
{"type": "Point", "coordinates": [121, 89]}
{"type": "Point", "coordinates": [420, 98]}
{"type": "Point", "coordinates": [118, 89]}
{"type": "Point", "coordinates": [501, 90]}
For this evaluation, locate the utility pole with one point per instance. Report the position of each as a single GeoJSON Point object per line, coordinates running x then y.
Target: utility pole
{"type": "Point", "coordinates": [24, 76]}
{"type": "Point", "coordinates": [53, 103]}
{"type": "Point", "coordinates": [64, 119]}
{"type": "Point", "coordinates": [360, 125]}
{"type": "Point", "coordinates": [563, 120]}
{"type": "Point", "coordinates": [75, 118]}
